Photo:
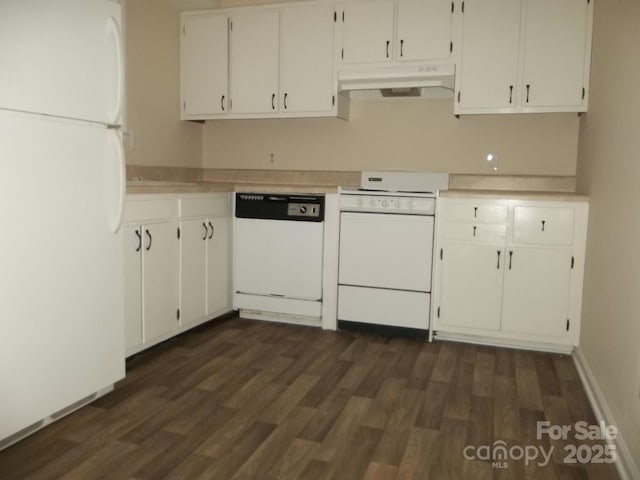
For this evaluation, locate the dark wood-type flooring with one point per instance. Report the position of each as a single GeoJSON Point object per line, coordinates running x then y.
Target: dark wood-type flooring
{"type": "Point", "coordinates": [241, 399]}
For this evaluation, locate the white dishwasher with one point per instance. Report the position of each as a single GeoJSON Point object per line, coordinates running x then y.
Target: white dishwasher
{"type": "Point", "coordinates": [278, 249]}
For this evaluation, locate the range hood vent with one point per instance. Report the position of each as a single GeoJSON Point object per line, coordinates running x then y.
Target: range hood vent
{"type": "Point", "coordinates": [396, 81]}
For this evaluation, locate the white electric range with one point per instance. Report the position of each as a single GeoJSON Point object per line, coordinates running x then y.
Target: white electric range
{"type": "Point", "coordinates": [386, 251]}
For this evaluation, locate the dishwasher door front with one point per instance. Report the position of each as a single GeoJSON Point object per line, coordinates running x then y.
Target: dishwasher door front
{"type": "Point", "coordinates": [280, 258]}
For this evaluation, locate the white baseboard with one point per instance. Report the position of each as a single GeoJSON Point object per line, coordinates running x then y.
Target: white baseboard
{"type": "Point", "coordinates": [626, 465]}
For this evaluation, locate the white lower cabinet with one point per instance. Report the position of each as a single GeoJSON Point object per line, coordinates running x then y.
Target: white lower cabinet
{"type": "Point", "coordinates": [151, 271]}
{"type": "Point", "coordinates": [470, 272]}
{"type": "Point", "coordinates": [176, 269]}
{"type": "Point", "coordinates": [509, 271]}
{"type": "Point", "coordinates": [204, 258]}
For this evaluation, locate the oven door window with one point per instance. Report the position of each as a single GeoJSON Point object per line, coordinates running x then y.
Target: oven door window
{"type": "Point", "coordinates": [386, 250]}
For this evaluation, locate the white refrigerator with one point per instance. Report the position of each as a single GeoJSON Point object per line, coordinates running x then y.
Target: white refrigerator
{"type": "Point", "coordinates": [62, 181]}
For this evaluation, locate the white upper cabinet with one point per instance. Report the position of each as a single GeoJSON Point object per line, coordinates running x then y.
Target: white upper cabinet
{"type": "Point", "coordinates": [367, 31]}
{"type": "Point", "coordinates": [424, 30]}
{"type": "Point", "coordinates": [204, 61]}
{"type": "Point", "coordinates": [254, 60]}
{"type": "Point", "coordinates": [488, 72]}
{"type": "Point", "coordinates": [306, 59]}
{"type": "Point", "coordinates": [381, 31]}
{"type": "Point", "coordinates": [555, 69]}
{"type": "Point", "coordinates": [524, 56]}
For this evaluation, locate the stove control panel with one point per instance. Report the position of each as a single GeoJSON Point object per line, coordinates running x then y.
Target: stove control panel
{"type": "Point", "coordinates": [388, 204]}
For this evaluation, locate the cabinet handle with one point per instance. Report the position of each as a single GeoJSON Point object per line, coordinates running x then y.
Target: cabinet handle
{"type": "Point", "coordinates": [206, 231]}
{"type": "Point", "coordinates": [211, 234]}
{"type": "Point", "coordinates": [285, 100]}
{"type": "Point", "coordinates": [388, 42]}
{"type": "Point", "coordinates": [510, 94]}
{"type": "Point", "coordinates": [528, 88]}
{"type": "Point", "coordinates": [474, 230]}
{"type": "Point", "coordinates": [273, 101]}
{"type": "Point", "coordinates": [401, 48]}
{"type": "Point", "coordinates": [150, 239]}
{"type": "Point", "coordinates": [475, 212]}
{"type": "Point", "coordinates": [510, 257]}
{"type": "Point", "coordinates": [222, 102]}
{"type": "Point", "coordinates": [543, 222]}
{"type": "Point", "coordinates": [498, 252]}
{"type": "Point", "coordinates": [139, 235]}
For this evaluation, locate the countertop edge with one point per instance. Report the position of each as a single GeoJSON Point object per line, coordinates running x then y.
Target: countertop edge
{"type": "Point", "coordinates": [515, 194]}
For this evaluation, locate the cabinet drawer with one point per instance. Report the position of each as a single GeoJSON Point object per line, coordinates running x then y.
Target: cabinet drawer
{"type": "Point", "coordinates": [475, 212]}
{"type": "Point", "coordinates": [472, 232]}
{"type": "Point", "coordinates": [543, 225]}
{"type": "Point", "coordinates": [209, 206]}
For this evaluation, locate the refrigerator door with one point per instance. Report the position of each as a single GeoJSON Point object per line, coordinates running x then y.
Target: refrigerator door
{"type": "Point", "coordinates": [61, 296]}
{"type": "Point", "coordinates": [62, 58]}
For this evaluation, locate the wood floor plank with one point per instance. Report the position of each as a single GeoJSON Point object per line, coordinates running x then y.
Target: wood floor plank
{"type": "Point", "coordinates": [419, 454]}
{"type": "Point", "coordinates": [529, 395]}
{"type": "Point", "coordinates": [269, 401]}
{"type": "Point", "coordinates": [506, 419]}
{"type": "Point", "coordinates": [433, 405]}
{"type": "Point", "coordinates": [483, 373]}
{"type": "Point", "coordinates": [293, 460]}
{"type": "Point", "coordinates": [273, 447]}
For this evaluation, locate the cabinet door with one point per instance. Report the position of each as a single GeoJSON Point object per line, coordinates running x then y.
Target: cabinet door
{"type": "Point", "coordinates": [204, 63]}
{"type": "Point", "coordinates": [424, 30]}
{"type": "Point", "coordinates": [471, 286]}
{"type": "Point", "coordinates": [193, 238]}
{"type": "Point", "coordinates": [554, 53]}
{"type": "Point", "coordinates": [367, 31]}
{"type": "Point", "coordinates": [160, 279]}
{"type": "Point", "coordinates": [132, 286]}
{"type": "Point", "coordinates": [253, 62]}
{"type": "Point", "coordinates": [218, 267]}
{"type": "Point", "coordinates": [536, 291]}
{"type": "Point", "coordinates": [489, 64]}
{"type": "Point", "coordinates": [306, 58]}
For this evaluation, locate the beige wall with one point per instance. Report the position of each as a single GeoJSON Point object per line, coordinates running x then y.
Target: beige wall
{"type": "Point", "coordinates": [609, 170]}
{"type": "Point", "coordinates": [399, 133]}
{"type": "Point", "coordinates": [156, 134]}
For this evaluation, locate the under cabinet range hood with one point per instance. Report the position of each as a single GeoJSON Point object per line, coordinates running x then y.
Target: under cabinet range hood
{"type": "Point", "coordinates": [397, 80]}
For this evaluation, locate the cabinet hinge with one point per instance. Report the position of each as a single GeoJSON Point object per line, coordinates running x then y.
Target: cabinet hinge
{"type": "Point", "coordinates": [178, 229]}
{"type": "Point", "coordinates": [178, 314]}
{"type": "Point", "coordinates": [333, 101]}
{"type": "Point", "coordinates": [438, 313]}
{"type": "Point", "coordinates": [440, 254]}
{"type": "Point", "coordinates": [462, 7]}
{"type": "Point", "coordinates": [568, 324]}
{"type": "Point", "coordinates": [335, 16]}
{"type": "Point", "coordinates": [573, 261]}
{"type": "Point", "coordinates": [583, 93]}
{"type": "Point", "coordinates": [450, 47]}
{"type": "Point", "coordinates": [458, 96]}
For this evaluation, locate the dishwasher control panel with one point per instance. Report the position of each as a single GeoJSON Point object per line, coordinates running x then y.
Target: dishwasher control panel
{"type": "Point", "coordinates": [303, 209]}
{"type": "Point", "coordinates": [272, 206]}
